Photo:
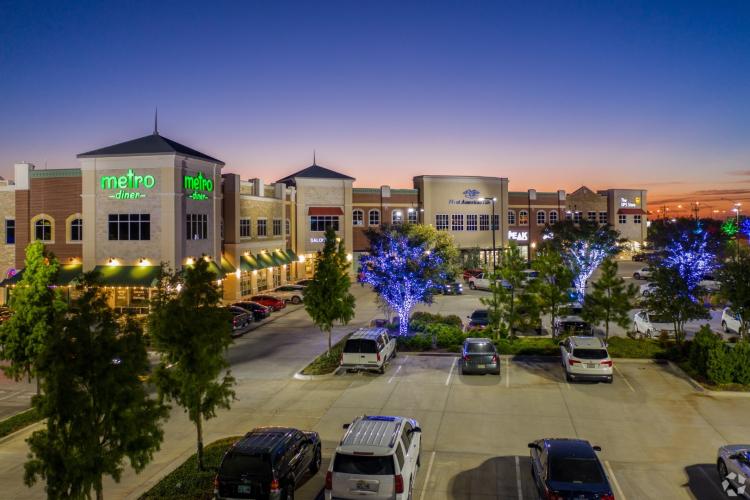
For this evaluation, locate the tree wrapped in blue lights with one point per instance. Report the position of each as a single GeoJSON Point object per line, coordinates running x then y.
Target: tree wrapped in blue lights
{"type": "Point", "coordinates": [689, 256]}
{"type": "Point", "coordinates": [745, 227]}
{"type": "Point", "coordinates": [402, 272]}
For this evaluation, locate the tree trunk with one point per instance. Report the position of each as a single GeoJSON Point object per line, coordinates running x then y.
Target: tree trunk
{"type": "Point", "coordinates": [199, 444]}
{"type": "Point", "coordinates": [98, 488]}
{"type": "Point", "coordinates": [329, 342]}
{"type": "Point", "coordinates": [403, 323]}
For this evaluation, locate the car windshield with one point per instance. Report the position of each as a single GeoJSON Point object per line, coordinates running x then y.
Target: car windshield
{"type": "Point", "coordinates": [362, 346]}
{"type": "Point", "coordinates": [656, 318]}
{"type": "Point", "coordinates": [237, 464]}
{"type": "Point", "coordinates": [575, 470]}
{"type": "Point", "coordinates": [480, 347]}
{"type": "Point", "coordinates": [479, 315]}
{"type": "Point", "coordinates": [590, 353]}
{"type": "Point", "coordinates": [364, 465]}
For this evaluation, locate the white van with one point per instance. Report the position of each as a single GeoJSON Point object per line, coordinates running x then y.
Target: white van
{"type": "Point", "coordinates": [368, 349]}
{"type": "Point", "coordinates": [377, 459]}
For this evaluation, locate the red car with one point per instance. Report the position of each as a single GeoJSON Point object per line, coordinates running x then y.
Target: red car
{"type": "Point", "coordinates": [269, 301]}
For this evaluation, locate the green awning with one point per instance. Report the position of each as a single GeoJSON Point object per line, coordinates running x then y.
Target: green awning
{"type": "Point", "coordinates": [146, 276]}
{"type": "Point", "coordinates": [226, 266]}
{"type": "Point", "coordinates": [248, 264]}
{"type": "Point", "coordinates": [280, 257]}
{"type": "Point", "coordinates": [67, 273]}
{"type": "Point", "coordinates": [214, 268]}
{"type": "Point", "coordinates": [291, 255]}
{"type": "Point", "coordinates": [265, 260]}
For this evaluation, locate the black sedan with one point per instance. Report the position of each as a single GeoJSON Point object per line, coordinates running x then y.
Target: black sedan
{"type": "Point", "coordinates": [259, 311]}
{"type": "Point", "coordinates": [241, 318]}
{"type": "Point", "coordinates": [567, 469]}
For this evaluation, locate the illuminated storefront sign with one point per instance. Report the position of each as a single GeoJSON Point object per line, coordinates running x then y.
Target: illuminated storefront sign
{"type": "Point", "coordinates": [317, 240]}
{"type": "Point", "coordinates": [199, 185]}
{"type": "Point", "coordinates": [471, 197]}
{"type": "Point", "coordinates": [124, 185]}
{"type": "Point", "coordinates": [518, 235]}
{"type": "Point", "coordinates": [626, 203]}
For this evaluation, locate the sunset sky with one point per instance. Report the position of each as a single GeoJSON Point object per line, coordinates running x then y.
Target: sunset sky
{"type": "Point", "coordinates": [552, 96]}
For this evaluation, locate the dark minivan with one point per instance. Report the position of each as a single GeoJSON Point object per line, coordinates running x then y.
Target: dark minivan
{"type": "Point", "coordinates": [267, 464]}
{"type": "Point", "coordinates": [568, 469]}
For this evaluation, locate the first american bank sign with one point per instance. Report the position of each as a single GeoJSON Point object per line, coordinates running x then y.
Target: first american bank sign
{"type": "Point", "coordinates": [471, 197]}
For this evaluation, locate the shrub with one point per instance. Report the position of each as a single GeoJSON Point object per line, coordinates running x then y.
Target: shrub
{"type": "Point", "coordinates": [446, 335]}
{"type": "Point", "coordinates": [719, 369]}
{"type": "Point", "coordinates": [740, 361]}
{"type": "Point", "coordinates": [703, 342]}
{"type": "Point", "coordinates": [419, 342]}
{"type": "Point", "coordinates": [421, 320]}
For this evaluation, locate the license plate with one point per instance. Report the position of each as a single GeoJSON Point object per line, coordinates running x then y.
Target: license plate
{"type": "Point", "coordinates": [366, 486]}
{"type": "Point", "coordinates": [590, 365]}
{"type": "Point", "coordinates": [244, 489]}
{"type": "Point", "coordinates": [481, 366]}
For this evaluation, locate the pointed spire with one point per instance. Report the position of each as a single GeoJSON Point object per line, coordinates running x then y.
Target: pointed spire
{"type": "Point", "coordinates": [156, 121]}
{"type": "Point", "coordinates": [314, 164]}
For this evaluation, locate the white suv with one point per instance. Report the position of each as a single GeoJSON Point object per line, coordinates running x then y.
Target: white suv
{"type": "Point", "coordinates": [586, 358]}
{"type": "Point", "coordinates": [377, 459]}
{"type": "Point", "coordinates": [730, 321]}
{"type": "Point", "coordinates": [368, 349]}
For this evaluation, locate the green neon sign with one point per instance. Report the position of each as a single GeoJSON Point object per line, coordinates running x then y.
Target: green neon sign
{"type": "Point", "coordinates": [199, 185]}
{"type": "Point", "coordinates": [124, 185]}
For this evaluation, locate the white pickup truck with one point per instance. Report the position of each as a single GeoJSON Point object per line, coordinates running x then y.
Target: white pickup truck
{"type": "Point", "coordinates": [368, 349]}
{"type": "Point", "coordinates": [482, 282]}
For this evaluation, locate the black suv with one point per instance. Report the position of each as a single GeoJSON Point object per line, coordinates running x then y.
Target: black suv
{"type": "Point", "coordinates": [259, 311]}
{"type": "Point", "coordinates": [267, 463]}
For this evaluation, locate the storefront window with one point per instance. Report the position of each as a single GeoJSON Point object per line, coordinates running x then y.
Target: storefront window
{"type": "Point", "coordinates": [288, 268]}
{"type": "Point", "coordinates": [323, 222]}
{"type": "Point", "coordinates": [471, 222]}
{"type": "Point", "coordinates": [484, 222]}
{"type": "Point", "coordinates": [276, 277]}
{"type": "Point", "coordinates": [523, 218]}
{"type": "Point", "coordinates": [374, 217]}
{"type": "Point", "coordinates": [246, 284]}
{"type": "Point", "coordinates": [129, 227]}
{"type": "Point", "coordinates": [43, 230]}
{"type": "Point", "coordinates": [262, 280]}
{"type": "Point", "coordinates": [244, 228]}
{"type": "Point", "coordinates": [358, 218]}
{"type": "Point", "coordinates": [196, 226]}
{"type": "Point", "coordinates": [441, 222]}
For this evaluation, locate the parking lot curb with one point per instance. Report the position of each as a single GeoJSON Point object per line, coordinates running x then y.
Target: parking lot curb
{"type": "Point", "coordinates": [299, 376]}
{"type": "Point", "coordinates": [703, 390]}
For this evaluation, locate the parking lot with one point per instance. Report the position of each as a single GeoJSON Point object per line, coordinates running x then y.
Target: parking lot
{"type": "Point", "coordinates": [658, 436]}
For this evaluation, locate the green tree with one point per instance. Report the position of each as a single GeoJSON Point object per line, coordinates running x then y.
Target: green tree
{"type": "Point", "coordinates": [35, 306]}
{"type": "Point", "coordinates": [97, 410]}
{"type": "Point", "coordinates": [496, 304]}
{"type": "Point", "coordinates": [507, 299]}
{"type": "Point", "coordinates": [327, 297]}
{"type": "Point", "coordinates": [552, 284]}
{"type": "Point", "coordinates": [192, 332]}
{"type": "Point", "coordinates": [670, 297]}
{"type": "Point", "coordinates": [719, 367]}
{"type": "Point", "coordinates": [734, 278]}
{"type": "Point", "coordinates": [610, 300]}
{"type": "Point", "coordinates": [439, 242]}
{"type": "Point", "coordinates": [741, 362]}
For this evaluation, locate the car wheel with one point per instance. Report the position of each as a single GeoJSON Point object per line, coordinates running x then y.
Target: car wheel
{"type": "Point", "coordinates": [317, 460]}
{"type": "Point", "coordinates": [724, 326]}
{"type": "Point", "coordinates": [381, 370]}
{"type": "Point", "coordinates": [609, 380]}
{"type": "Point", "coordinates": [296, 300]}
{"type": "Point", "coordinates": [722, 468]}
{"type": "Point", "coordinates": [568, 377]}
{"type": "Point", "coordinates": [637, 276]}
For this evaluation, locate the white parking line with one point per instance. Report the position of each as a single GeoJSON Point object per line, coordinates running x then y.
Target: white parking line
{"type": "Point", "coordinates": [427, 477]}
{"type": "Point", "coordinates": [398, 369]}
{"type": "Point", "coordinates": [450, 374]}
{"type": "Point", "coordinates": [620, 494]}
{"type": "Point", "coordinates": [624, 379]}
{"type": "Point", "coordinates": [518, 478]}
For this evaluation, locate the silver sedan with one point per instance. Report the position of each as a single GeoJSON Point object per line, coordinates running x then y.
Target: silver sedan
{"type": "Point", "coordinates": [733, 464]}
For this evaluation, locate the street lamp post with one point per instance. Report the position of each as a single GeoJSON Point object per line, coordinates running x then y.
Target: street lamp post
{"type": "Point", "coordinates": [492, 224]}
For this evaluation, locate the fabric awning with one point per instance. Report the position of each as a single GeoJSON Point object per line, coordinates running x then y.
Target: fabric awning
{"type": "Point", "coordinates": [292, 256]}
{"type": "Point", "coordinates": [265, 260]}
{"type": "Point", "coordinates": [631, 211]}
{"type": "Point", "coordinates": [146, 276]}
{"type": "Point", "coordinates": [248, 263]}
{"type": "Point", "coordinates": [226, 266]}
{"type": "Point", "coordinates": [280, 257]}
{"type": "Point", "coordinates": [214, 269]}
{"type": "Point", "coordinates": [325, 211]}
{"type": "Point", "coordinates": [66, 274]}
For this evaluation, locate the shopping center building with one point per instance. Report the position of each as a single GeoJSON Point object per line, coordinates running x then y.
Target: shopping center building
{"type": "Point", "coordinates": [132, 206]}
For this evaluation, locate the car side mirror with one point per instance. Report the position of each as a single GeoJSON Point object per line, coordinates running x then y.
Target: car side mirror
{"type": "Point", "coordinates": [533, 446]}
{"type": "Point", "coordinates": [561, 344]}
{"type": "Point", "coordinates": [346, 426]}
{"type": "Point", "coordinates": [415, 429]}
{"type": "Point", "coordinates": [597, 448]}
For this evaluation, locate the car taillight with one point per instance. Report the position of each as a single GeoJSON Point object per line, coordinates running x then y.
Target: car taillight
{"type": "Point", "coordinates": [329, 480]}
{"type": "Point", "coordinates": [466, 357]}
{"type": "Point", "coordinates": [377, 356]}
{"type": "Point", "coordinates": [494, 358]}
{"type": "Point", "coordinates": [398, 482]}
{"type": "Point", "coordinates": [606, 363]}
{"type": "Point", "coordinates": [275, 486]}
{"type": "Point", "coordinates": [572, 362]}
{"type": "Point", "coordinates": [608, 496]}
{"type": "Point", "coordinates": [552, 495]}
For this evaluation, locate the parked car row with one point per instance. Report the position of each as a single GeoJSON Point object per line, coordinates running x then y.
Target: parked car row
{"type": "Point", "coordinates": [260, 307]}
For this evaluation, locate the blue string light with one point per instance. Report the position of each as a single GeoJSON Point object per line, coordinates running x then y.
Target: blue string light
{"type": "Point", "coordinates": [583, 258]}
{"type": "Point", "coordinates": [401, 273]}
{"type": "Point", "coordinates": [690, 258]}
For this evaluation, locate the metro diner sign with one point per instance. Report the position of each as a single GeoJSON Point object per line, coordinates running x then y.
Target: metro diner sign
{"type": "Point", "coordinates": [124, 185]}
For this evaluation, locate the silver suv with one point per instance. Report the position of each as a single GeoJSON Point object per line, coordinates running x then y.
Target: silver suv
{"type": "Point", "coordinates": [377, 459]}
{"type": "Point", "coordinates": [586, 358]}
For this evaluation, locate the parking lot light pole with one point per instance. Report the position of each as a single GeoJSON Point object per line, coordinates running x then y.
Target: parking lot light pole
{"type": "Point", "coordinates": [492, 224]}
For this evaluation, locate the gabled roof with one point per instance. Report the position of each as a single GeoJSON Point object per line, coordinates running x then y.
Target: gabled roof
{"type": "Point", "coordinates": [152, 144]}
{"type": "Point", "coordinates": [314, 172]}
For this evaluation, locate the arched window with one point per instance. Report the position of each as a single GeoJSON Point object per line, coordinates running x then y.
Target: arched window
{"type": "Point", "coordinates": [553, 216]}
{"type": "Point", "coordinates": [374, 218]}
{"type": "Point", "coordinates": [358, 218]}
{"type": "Point", "coordinates": [511, 217]}
{"type": "Point", "coordinates": [523, 217]}
{"type": "Point", "coordinates": [76, 230]}
{"type": "Point", "coordinates": [397, 217]}
{"type": "Point", "coordinates": [43, 230]}
{"type": "Point", "coordinates": [541, 217]}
